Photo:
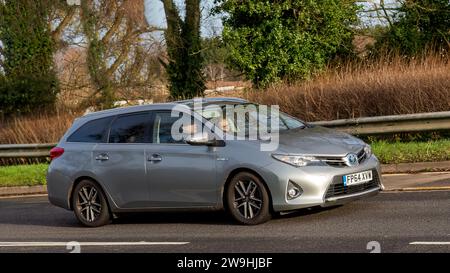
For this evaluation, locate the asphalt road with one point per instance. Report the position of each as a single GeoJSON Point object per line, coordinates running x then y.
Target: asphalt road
{"type": "Point", "coordinates": [397, 221]}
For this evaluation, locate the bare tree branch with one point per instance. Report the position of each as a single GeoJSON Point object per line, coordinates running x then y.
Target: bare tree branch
{"type": "Point", "coordinates": [388, 18]}
{"type": "Point", "coordinates": [56, 34]}
{"type": "Point", "coordinates": [127, 41]}
{"type": "Point", "coordinates": [115, 26]}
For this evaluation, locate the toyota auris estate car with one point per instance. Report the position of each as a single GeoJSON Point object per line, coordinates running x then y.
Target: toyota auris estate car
{"type": "Point", "coordinates": [130, 159]}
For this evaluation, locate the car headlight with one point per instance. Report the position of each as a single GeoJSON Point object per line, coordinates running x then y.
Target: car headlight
{"type": "Point", "coordinates": [367, 151]}
{"type": "Point", "coordinates": [297, 160]}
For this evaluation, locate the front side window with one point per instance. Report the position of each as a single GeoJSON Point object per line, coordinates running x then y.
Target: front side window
{"type": "Point", "coordinates": [253, 119]}
{"type": "Point", "coordinates": [130, 129]}
{"type": "Point", "coordinates": [93, 131]}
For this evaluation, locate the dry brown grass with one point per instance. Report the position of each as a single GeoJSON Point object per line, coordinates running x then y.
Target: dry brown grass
{"type": "Point", "coordinates": [389, 86]}
{"type": "Point", "coordinates": [40, 128]}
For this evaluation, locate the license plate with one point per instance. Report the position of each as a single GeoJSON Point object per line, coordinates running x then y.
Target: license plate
{"type": "Point", "coordinates": [357, 178]}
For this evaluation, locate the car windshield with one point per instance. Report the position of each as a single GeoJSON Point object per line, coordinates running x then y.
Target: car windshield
{"type": "Point", "coordinates": [251, 117]}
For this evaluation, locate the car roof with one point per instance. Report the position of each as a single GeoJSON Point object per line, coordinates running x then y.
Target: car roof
{"type": "Point", "coordinates": [165, 106]}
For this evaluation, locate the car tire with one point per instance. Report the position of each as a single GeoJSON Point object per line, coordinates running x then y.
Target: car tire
{"type": "Point", "coordinates": [247, 199]}
{"type": "Point", "coordinates": [90, 205]}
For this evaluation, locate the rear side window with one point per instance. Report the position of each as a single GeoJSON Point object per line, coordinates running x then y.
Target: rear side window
{"type": "Point", "coordinates": [130, 129]}
{"type": "Point", "coordinates": [162, 129]}
{"type": "Point", "coordinates": [93, 131]}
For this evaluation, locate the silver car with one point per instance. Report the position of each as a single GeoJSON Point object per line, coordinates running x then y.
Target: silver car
{"type": "Point", "coordinates": [128, 160]}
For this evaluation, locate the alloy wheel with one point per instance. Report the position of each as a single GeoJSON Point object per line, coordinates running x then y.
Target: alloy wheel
{"type": "Point", "coordinates": [247, 199]}
{"type": "Point", "coordinates": [88, 203]}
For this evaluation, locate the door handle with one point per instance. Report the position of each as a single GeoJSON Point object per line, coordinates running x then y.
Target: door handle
{"type": "Point", "coordinates": [102, 157]}
{"type": "Point", "coordinates": [154, 158]}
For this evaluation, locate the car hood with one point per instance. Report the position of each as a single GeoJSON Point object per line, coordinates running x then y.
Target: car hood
{"type": "Point", "coordinates": [319, 141]}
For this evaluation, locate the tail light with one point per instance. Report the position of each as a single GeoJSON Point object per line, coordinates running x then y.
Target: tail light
{"type": "Point", "coordinates": [56, 152]}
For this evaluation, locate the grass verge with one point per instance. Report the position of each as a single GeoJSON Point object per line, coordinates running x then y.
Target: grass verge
{"type": "Point", "coordinates": [23, 175]}
{"type": "Point", "coordinates": [409, 152]}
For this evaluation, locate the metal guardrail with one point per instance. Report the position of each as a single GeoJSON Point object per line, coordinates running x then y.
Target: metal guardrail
{"type": "Point", "coordinates": [359, 126]}
{"type": "Point", "coordinates": [391, 124]}
{"type": "Point", "coordinates": [25, 150]}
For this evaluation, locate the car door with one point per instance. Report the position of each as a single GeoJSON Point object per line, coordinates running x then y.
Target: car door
{"type": "Point", "coordinates": [179, 175]}
{"type": "Point", "coordinates": [120, 163]}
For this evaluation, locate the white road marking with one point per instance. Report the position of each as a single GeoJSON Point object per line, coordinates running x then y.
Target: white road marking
{"type": "Point", "coordinates": [50, 244]}
{"type": "Point", "coordinates": [417, 189]}
{"type": "Point", "coordinates": [429, 243]}
{"type": "Point", "coordinates": [404, 174]}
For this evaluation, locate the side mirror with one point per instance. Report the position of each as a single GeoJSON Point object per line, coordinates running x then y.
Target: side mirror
{"type": "Point", "coordinates": [203, 140]}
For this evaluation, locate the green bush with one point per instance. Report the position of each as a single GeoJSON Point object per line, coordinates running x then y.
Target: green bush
{"type": "Point", "coordinates": [27, 93]}
{"type": "Point", "coordinates": [285, 40]}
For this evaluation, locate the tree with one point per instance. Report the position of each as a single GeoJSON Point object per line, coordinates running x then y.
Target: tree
{"type": "Point", "coordinates": [185, 67]}
{"type": "Point", "coordinates": [29, 82]}
{"type": "Point", "coordinates": [113, 29]}
{"type": "Point", "coordinates": [101, 22]}
{"type": "Point", "coordinates": [285, 40]}
{"type": "Point", "coordinates": [418, 25]}
{"type": "Point", "coordinates": [215, 54]}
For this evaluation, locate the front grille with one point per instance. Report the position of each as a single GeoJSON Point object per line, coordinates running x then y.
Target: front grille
{"type": "Point", "coordinates": [337, 188]}
{"type": "Point", "coordinates": [335, 162]}
{"type": "Point", "coordinates": [340, 162]}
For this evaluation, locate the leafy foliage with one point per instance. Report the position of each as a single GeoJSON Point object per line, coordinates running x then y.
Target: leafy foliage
{"type": "Point", "coordinates": [26, 93]}
{"type": "Point", "coordinates": [29, 82]}
{"type": "Point", "coordinates": [185, 50]}
{"type": "Point", "coordinates": [275, 40]}
{"type": "Point", "coordinates": [419, 25]}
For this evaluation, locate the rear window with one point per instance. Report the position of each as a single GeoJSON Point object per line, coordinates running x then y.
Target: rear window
{"type": "Point", "coordinates": [130, 129]}
{"type": "Point", "coordinates": [93, 131]}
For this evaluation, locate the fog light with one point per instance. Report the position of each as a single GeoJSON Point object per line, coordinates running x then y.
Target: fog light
{"type": "Point", "coordinates": [293, 190]}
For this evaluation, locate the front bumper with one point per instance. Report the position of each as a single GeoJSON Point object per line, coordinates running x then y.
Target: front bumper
{"type": "Point", "coordinates": [320, 184]}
